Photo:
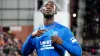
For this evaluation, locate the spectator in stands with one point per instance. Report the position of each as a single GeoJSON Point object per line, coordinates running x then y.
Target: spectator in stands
{"type": "Point", "coordinates": [2, 43]}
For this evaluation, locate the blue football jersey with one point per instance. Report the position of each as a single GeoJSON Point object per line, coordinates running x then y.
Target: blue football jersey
{"type": "Point", "coordinates": [44, 45]}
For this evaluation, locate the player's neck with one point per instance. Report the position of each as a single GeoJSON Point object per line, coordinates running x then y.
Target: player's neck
{"type": "Point", "coordinates": [48, 21]}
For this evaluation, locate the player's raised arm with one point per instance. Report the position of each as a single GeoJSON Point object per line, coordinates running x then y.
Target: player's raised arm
{"type": "Point", "coordinates": [28, 46]}
{"type": "Point", "coordinates": [71, 44]}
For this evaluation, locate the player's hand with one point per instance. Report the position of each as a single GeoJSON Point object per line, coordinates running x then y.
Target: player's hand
{"type": "Point", "coordinates": [57, 40]}
{"type": "Point", "coordinates": [38, 33]}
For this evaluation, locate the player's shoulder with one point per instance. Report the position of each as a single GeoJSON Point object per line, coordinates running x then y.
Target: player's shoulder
{"type": "Point", "coordinates": [37, 28]}
{"type": "Point", "coordinates": [62, 26]}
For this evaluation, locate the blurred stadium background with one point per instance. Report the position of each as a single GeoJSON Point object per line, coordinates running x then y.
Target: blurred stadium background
{"type": "Point", "coordinates": [19, 17]}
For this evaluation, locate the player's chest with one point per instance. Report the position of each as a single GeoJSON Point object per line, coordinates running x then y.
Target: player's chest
{"type": "Point", "coordinates": [48, 35]}
{"type": "Point", "coordinates": [44, 42]}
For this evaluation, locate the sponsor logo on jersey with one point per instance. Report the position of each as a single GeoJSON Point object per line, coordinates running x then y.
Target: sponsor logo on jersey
{"type": "Point", "coordinates": [46, 45]}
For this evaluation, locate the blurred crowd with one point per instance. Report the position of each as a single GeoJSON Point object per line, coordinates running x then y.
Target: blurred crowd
{"type": "Point", "coordinates": [91, 47]}
{"type": "Point", "coordinates": [9, 45]}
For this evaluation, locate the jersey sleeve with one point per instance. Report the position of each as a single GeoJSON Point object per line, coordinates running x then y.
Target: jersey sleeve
{"type": "Point", "coordinates": [70, 43]}
{"type": "Point", "coordinates": [29, 45]}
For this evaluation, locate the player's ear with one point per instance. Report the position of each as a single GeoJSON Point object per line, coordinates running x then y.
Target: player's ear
{"type": "Point", "coordinates": [55, 9]}
{"type": "Point", "coordinates": [41, 10]}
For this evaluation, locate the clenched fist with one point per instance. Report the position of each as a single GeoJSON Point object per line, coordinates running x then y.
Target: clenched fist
{"type": "Point", "coordinates": [57, 40]}
{"type": "Point", "coordinates": [38, 33]}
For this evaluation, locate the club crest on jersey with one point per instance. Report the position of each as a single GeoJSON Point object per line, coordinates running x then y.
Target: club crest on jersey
{"type": "Point", "coordinates": [73, 39]}
{"type": "Point", "coordinates": [55, 33]}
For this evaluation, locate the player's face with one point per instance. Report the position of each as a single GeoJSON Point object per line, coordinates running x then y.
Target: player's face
{"type": "Point", "coordinates": [49, 9]}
